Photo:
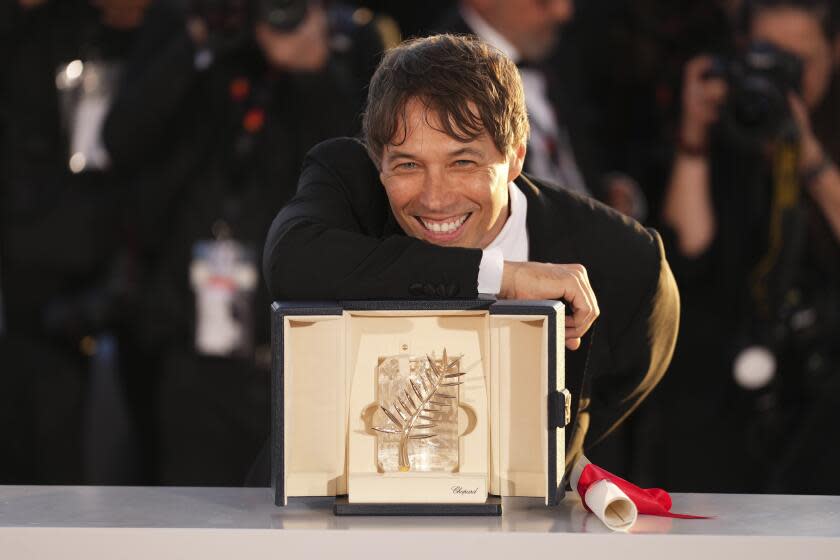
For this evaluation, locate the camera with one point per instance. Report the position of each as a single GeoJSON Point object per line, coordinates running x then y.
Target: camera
{"type": "Point", "coordinates": [282, 15]}
{"type": "Point", "coordinates": [232, 19]}
{"type": "Point", "coordinates": [757, 109]}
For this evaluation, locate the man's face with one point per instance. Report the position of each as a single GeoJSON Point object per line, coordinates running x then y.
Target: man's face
{"type": "Point", "coordinates": [799, 32]}
{"type": "Point", "coordinates": [445, 191]}
{"type": "Point", "coordinates": [530, 25]}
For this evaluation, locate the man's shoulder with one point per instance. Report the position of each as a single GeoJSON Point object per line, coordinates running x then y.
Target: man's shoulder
{"type": "Point", "coordinates": [341, 153]}
{"type": "Point", "coordinates": [623, 258]}
{"type": "Point", "coordinates": [342, 160]}
{"type": "Point", "coordinates": [594, 226]}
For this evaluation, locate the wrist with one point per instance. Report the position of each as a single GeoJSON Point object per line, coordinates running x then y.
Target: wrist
{"type": "Point", "coordinates": [811, 173]}
{"type": "Point", "coordinates": [692, 143]}
{"type": "Point", "coordinates": [509, 271]}
{"type": "Point", "coordinates": [811, 155]}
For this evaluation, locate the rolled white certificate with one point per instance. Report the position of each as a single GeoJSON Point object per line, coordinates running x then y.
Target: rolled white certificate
{"type": "Point", "coordinates": [606, 500]}
{"type": "Point", "coordinates": [611, 505]}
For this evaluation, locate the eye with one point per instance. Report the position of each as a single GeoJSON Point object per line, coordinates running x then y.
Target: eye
{"type": "Point", "coordinates": [464, 163]}
{"type": "Point", "coordinates": [407, 166]}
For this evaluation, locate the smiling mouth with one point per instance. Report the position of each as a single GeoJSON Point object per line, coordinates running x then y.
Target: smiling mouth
{"type": "Point", "coordinates": [448, 227]}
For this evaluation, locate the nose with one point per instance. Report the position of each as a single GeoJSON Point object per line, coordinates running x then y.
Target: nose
{"type": "Point", "coordinates": [435, 195]}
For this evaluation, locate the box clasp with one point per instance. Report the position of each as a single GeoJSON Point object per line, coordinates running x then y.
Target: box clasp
{"type": "Point", "coordinates": [560, 408]}
{"type": "Point", "coordinates": [567, 407]}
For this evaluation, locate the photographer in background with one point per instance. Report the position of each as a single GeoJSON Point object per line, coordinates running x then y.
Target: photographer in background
{"type": "Point", "coordinates": [215, 115]}
{"type": "Point", "coordinates": [562, 147]}
{"type": "Point", "coordinates": [64, 274]}
{"type": "Point", "coordinates": [752, 213]}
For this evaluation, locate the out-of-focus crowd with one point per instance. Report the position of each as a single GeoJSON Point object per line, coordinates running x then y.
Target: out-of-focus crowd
{"type": "Point", "coordinates": [146, 145]}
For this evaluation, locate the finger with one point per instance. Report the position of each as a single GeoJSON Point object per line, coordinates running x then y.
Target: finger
{"type": "Point", "coordinates": [714, 90]}
{"type": "Point", "coordinates": [580, 325]}
{"type": "Point", "coordinates": [797, 108]}
{"type": "Point", "coordinates": [582, 284]}
{"type": "Point", "coordinates": [576, 330]}
{"type": "Point", "coordinates": [576, 327]}
{"type": "Point", "coordinates": [595, 310]}
{"type": "Point", "coordinates": [579, 300]}
{"type": "Point", "coordinates": [582, 307]}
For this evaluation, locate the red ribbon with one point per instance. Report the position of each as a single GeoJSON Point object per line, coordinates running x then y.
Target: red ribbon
{"type": "Point", "coordinates": [649, 501]}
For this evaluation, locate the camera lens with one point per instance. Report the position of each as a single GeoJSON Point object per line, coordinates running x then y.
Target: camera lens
{"type": "Point", "coordinates": [284, 15]}
{"type": "Point", "coordinates": [759, 105]}
{"type": "Point", "coordinates": [760, 81]}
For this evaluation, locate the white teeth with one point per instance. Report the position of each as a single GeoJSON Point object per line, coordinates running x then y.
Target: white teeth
{"type": "Point", "coordinates": [445, 227]}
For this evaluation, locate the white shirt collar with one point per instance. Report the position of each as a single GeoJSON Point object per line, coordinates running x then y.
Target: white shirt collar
{"type": "Point", "coordinates": [486, 32]}
{"type": "Point", "coordinates": [513, 239]}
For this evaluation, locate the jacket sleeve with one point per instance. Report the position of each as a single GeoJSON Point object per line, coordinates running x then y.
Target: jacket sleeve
{"type": "Point", "coordinates": [327, 243]}
{"type": "Point", "coordinates": [638, 353]}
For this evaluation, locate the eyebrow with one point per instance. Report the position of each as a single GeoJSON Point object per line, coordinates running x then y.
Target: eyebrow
{"type": "Point", "coordinates": [467, 151]}
{"type": "Point", "coordinates": [397, 154]}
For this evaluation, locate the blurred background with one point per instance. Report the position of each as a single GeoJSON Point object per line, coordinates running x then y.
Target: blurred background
{"type": "Point", "coordinates": [146, 145]}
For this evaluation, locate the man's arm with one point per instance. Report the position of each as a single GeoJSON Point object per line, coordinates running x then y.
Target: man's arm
{"type": "Point", "coordinates": [331, 242]}
{"type": "Point", "coordinates": [328, 242]}
{"type": "Point", "coordinates": [639, 353]}
{"type": "Point", "coordinates": [820, 174]}
{"type": "Point", "coordinates": [688, 207]}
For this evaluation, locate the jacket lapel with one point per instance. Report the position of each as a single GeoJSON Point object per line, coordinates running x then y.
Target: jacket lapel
{"type": "Point", "coordinates": [549, 233]}
{"type": "Point", "coordinates": [551, 239]}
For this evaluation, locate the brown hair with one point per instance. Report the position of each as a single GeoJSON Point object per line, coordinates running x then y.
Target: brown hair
{"type": "Point", "coordinates": [447, 73]}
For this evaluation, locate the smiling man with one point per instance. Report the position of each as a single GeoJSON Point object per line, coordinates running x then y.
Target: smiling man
{"type": "Point", "coordinates": [434, 204]}
{"type": "Point", "coordinates": [446, 190]}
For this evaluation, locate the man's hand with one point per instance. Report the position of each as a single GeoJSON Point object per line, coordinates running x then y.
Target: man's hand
{"type": "Point", "coordinates": [569, 282]}
{"type": "Point", "coordinates": [701, 101]}
{"type": "Point", "coordinates": [811, 151]}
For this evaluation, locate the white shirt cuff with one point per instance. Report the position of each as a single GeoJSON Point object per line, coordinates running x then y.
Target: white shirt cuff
{"type": "Point", "coordinates": [490, 271]}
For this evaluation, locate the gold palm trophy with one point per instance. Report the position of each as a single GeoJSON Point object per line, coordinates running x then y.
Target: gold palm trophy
{"type": "Point", "coordinates": [419, 397]}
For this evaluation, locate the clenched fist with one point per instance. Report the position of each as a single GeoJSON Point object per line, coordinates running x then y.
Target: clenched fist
{"type": "Point", "coordinates": [569, 282]}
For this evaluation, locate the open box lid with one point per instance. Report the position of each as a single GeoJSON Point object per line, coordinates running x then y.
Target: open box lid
{"type": "Point", "coordinates": [557, 398]}
{"type": "Point", "coordinates": [329, 336]}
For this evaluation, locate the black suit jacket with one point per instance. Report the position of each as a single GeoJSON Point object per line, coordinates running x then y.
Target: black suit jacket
{"type": "Point", "coordinates": [338, 239]}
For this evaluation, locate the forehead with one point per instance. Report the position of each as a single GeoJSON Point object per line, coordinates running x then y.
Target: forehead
{"type": "Point", "coordinates": [790, 28]}
{"type": "Point", "coordinates": [420, 128]}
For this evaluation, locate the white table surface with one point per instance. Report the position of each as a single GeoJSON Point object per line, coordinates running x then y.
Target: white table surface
{"type": "Point", "coordinates": [159, 522]}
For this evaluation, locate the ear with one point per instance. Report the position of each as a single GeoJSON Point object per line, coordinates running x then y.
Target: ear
{"type": "Point", "coordinates": [517, 159]}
